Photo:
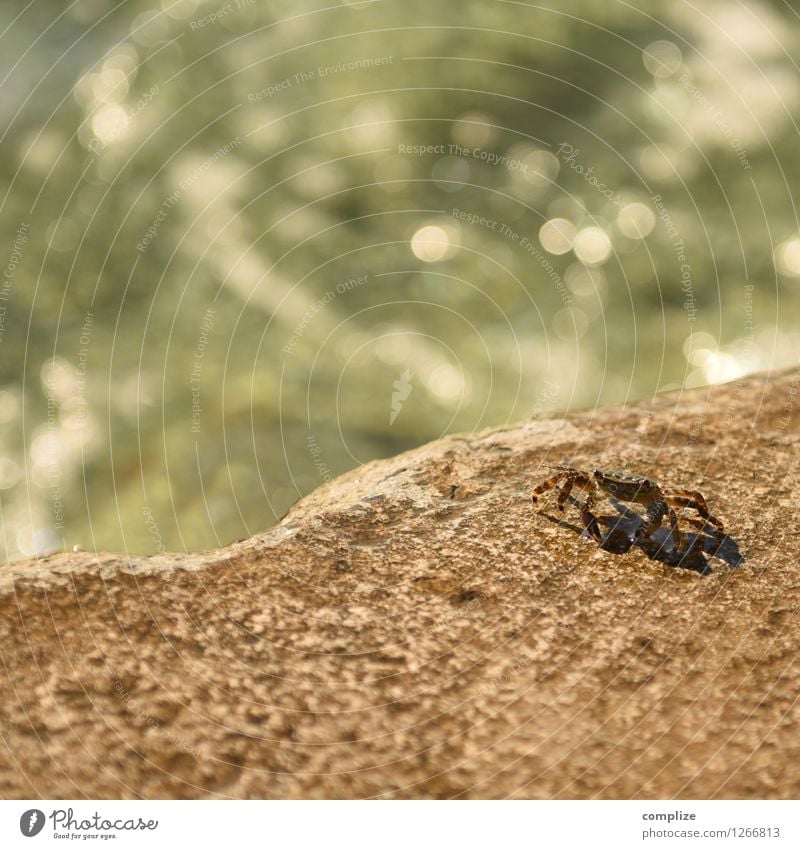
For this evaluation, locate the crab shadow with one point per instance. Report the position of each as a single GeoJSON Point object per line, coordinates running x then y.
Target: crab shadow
{"type": "Point", "coordinates": [618, 534]}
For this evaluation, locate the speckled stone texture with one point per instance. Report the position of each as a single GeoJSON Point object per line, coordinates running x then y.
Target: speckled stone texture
{"type": "Point", "coordinates": [416, 629]}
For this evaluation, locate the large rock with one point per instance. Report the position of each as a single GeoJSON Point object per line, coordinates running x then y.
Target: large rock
{"type": "Point", "coordinates": [416, 629]}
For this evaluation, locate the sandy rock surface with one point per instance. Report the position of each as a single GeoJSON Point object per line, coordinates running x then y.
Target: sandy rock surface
{"type": "Point", "coordinates": [416, 629]}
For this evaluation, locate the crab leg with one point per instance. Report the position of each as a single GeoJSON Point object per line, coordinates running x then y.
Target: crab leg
{"type": "Point", "coordinates": [546, 485]}
{"type": "Point", "coordinates": [571, 478]}
{"type": "Point", "coordinates": [694, 501]}
{"type": "Point", "coordinates": [588, 517]}
{"type": "Point", "coordinates": [653, 519]}
{"type": "Point", "coordinates": [564, 492]}
{"type": "Point", "coordinates": [676, 531]}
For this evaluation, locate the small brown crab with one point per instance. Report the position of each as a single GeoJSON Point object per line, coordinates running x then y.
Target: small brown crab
{"type": "Point", "coordinates": [625, 486]}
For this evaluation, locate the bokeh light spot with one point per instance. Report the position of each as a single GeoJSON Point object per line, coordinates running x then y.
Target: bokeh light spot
{"type": "Point", "coordinates": [110, 123]}
{"type": "Point", "coordinates": [430, 243]}
{"type": "Point", "coordinates": [592, 246]}
{"type": "Point", "coordinates": [635, 220]}
{"type": "Point", "coordinates": [787, 258]}
{"type": "Point", "coordinates": [662, 58]}
{"type": "Point", "coordinates": [557, 235]}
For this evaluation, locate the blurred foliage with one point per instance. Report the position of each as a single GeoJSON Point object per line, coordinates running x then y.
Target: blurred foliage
{"type": "Point", "coordinates": [265, 148]}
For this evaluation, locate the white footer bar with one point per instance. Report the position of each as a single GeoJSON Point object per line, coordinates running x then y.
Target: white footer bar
{"type": "Point", "coordinates": [402, 824]}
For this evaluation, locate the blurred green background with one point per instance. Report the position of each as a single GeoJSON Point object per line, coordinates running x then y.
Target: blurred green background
{"type": "Point", "coordinates": [250, 245]}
